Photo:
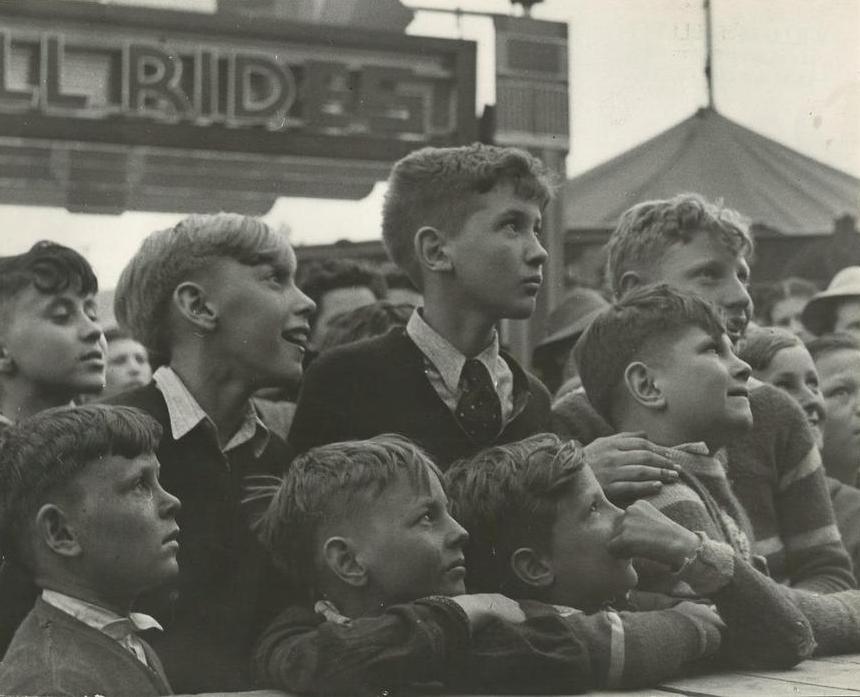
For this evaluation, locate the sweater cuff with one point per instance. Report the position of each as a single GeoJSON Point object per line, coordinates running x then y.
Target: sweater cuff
{"type": "Point", "coordinates": [458, 629]}
{"type": "Point", "coordinates": [712, 568]}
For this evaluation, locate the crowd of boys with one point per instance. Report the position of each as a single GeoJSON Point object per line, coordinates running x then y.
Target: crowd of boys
{"type": "Point", "coordinates": [432, 518]}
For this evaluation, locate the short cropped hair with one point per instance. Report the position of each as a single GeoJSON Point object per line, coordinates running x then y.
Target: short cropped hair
{"type": "Point", "coordinates": [50, 268]}
{"type": "Point", "coordinates": [436, 187]}
{"type": "Point", "coordinates": [646, 231]}
{"type": "Point", "coordinates": [168, 257]}
{"type": "Point", "coordinates": [41, 455]}
{"type": "Point", "coordinates": [507, 497]}
{"type": "Point", "coordinates": [327, 484]}
{"type": "Point", "coordinates": [829, 343]}
{"type": "Point", "coordinates": [618, 335]}
{"type": "Point", "coordinates": [365, 322]}
{"type": "Point", "coordinates": [767, 295]}
{"type": "Point", "coordinates": [761, 344]}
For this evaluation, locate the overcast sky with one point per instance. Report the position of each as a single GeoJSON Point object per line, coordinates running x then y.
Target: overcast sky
{"type": "Point", "coordinates": [789, 69]}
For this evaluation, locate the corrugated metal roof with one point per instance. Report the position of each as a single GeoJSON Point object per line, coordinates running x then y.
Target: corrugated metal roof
{"type": "Point", "coordinates": [716, 157]}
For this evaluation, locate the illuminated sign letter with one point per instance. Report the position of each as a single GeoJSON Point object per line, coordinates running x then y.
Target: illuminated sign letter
{"type": "Point", "coordinates": [328, 99]}
{"type": "Point", "coordinates": [17, 99]}
{"type": "Point", "coordinates": [261, 89]}
{"type": "Point", "coordinates": [385, 109]}
{"type": "Point", "coordinates": [52, 94]}
{"type": "Point", "coordinates": [153, 76]}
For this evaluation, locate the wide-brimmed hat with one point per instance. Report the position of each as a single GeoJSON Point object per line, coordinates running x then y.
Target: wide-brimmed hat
{"type": "Point", "coordinates": [573, 315]}
{"type": "Point", "coordinates": [818, 315]}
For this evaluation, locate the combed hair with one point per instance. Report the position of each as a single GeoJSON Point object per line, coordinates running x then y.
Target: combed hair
{"type": "Point", "coordinates": [365, 322]}
{"type": "Point", "coordinates": [42, 454]}
{"type": "Point", "coordinates": [436, 187]}
{"type": "Point", "coordinates": [50, 268]}
{"type": "Point", "coordinates": [507, 497]}
{"type": "Point", "coordinates": [328, 484]}
{"type": "Point", "coordinates": [168, 257]}
{"type": "Point", "coordinates": [645, 231]}
{"type": "Point", "coordinates": [761, 344]}
{"type": "Point", "coordinates": [828, 343]}
{"type": "Point", "coordinates": [767, 295]}
{"type": "Point", "coordinates": [619, 334]}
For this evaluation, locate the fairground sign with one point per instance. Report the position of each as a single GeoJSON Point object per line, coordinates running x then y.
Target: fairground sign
{"type": "Point", "coordinates": [86, 73]}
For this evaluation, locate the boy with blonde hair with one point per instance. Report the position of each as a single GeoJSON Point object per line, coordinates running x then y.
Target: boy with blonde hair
{"type": "Point", "coordinates": [214, 300]}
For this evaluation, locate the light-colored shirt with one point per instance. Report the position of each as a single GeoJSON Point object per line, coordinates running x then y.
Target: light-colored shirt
{"type": "Point", "coordinates": [120, 629]}
{"type": "Point", "coordinates": [186, 413]}
{"type": "Point", "coordinates": [443, 365]}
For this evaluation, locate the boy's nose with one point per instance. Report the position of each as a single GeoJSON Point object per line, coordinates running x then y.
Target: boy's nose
{"type": "Point", "coordinates": [537, 254]}
{"type": "Point", "coordinates": [741, 369]}
{"type": "Point", "coordinates": [170, 504]}
{"type": "Point", "coordinates": [457, 535]}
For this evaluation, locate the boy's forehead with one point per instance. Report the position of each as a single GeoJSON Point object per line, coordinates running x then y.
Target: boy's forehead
{"type": "Point", "coordinates": [30, 297]}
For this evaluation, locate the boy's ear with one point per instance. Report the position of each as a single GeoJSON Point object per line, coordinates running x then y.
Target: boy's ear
{"type": "Point", "coordinates": [430, 249]}
{"type": "Point", "coordinates": [531, 568]}
{"type": "Point", "coordinates": [629, 280]}
{"type": "Point", "coordinates": [194, 305]}
{"type": "Point", "coordinates": [341, 559]}
{"type": "Point", "coordinates": [53, 528]}
{"type": "Point", "coordinates": [640, 383]}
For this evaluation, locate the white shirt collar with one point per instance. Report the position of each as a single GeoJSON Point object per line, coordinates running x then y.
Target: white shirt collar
{"type": "Point", "coordinates": [186, 413]}
{"type": "Point", "coordinates": [446, 358]}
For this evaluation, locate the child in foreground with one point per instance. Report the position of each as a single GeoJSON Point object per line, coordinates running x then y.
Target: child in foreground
{"type": "Point", "coordinates": [541, 528]}
{"type": "Point", "coordinates": [81, 508]}
{"type": "Point", "coordinates": [364, 528]}
{"type": "Point", "coordinates": [660, 361]}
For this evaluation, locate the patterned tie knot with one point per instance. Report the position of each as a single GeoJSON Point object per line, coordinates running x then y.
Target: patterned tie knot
{"type": "Point", "coordinates": [479, 410]}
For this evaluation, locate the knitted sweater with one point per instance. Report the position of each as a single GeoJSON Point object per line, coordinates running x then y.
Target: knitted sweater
{"type": "Point", "coordinates": [378, 386]}
{"type": "Point", "coordinates": [775, 473]}
{"type": "Point", "coordinates": [55, 654]}
{"type": "Point", "coordinates": [751, 604]}
{"type": "Point", "coordinates": [834, 619]}
{"type": "Point", "coordinates": [429, 641]}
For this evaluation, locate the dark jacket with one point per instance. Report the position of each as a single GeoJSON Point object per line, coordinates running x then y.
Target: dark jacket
{"type": "Point", "coordinates": [426, 642]}
{"type": "Point", "coordinates": [378, 386]}
{"type": "Point", "coordinates": [227, 588]}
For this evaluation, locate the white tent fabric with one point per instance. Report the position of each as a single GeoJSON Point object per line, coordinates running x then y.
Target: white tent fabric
{"type": "Point", "coordinates": [709, 154]}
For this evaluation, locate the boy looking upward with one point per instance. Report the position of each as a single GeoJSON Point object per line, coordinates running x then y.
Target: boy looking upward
{"type": "Point", "coordinates": [661, 361]}
{"type": "Point", "coordinates": [774, 468]}
{"type": "Point", "coordinates": [364, 529]}
{"type": "Point", "coordinates": [465, 224]}
{"type": "Point", "coordinates": [837, 360]}
{"type": "Point", "coordinates": [82, 509]}
{"type": "Point", "coordinates": [51, 345]}
{"type": "Point", "coordinates": [542, 529]}
{"type": "Point", "coordinates": [215, 299]}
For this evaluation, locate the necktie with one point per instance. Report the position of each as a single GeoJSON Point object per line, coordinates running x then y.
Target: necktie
{"type": "Point", "coordinates": [479, 410]}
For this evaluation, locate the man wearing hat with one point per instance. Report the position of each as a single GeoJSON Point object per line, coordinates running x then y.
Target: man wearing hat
{"type": "Point", "coordinates": [565, 324]}
{"type": "Point", "coordinates": [836, 309]}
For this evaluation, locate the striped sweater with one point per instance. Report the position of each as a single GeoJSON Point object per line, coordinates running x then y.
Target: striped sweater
{"type": "Point", "coordinates": [703, 501]}
{"type": "Point", "coordinates": [775, 473]}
